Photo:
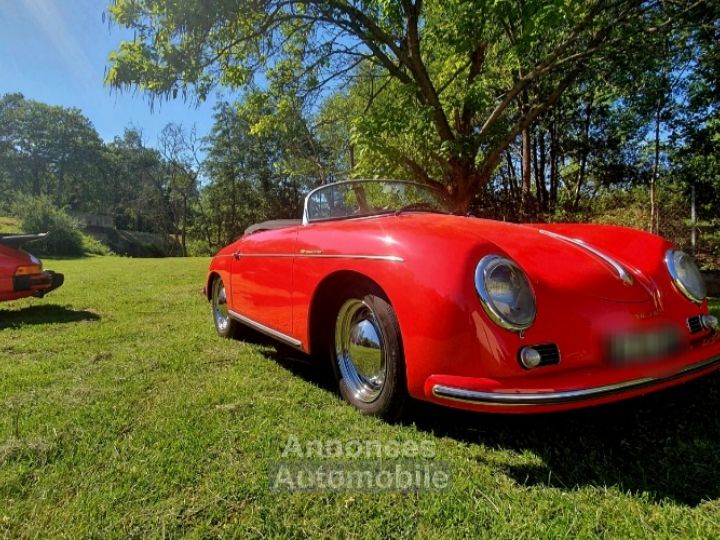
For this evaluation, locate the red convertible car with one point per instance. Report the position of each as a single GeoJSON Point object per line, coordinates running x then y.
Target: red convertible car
{"type": "Point", "coordinates": [408, 300]}
{"type": "Point", "coordinates": [22, 274]}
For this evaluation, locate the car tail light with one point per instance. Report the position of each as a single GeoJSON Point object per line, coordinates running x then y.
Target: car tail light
{"type": "Point", "coordinates": [28, 270]}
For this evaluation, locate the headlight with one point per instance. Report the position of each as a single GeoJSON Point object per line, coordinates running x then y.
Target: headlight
{"type": "Point", "coordinates": [505, 292]}
{"type": "Point", "coordinates": [685, 275]}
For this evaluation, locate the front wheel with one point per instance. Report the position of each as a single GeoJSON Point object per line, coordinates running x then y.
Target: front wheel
{"type": "Point", "coordinates": [367, 356]}
{"type": "Point", "coordinates": [226, 327]}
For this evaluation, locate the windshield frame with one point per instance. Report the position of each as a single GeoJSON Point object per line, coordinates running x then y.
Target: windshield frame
{"type": "Point", "coordinates": [306, 217]}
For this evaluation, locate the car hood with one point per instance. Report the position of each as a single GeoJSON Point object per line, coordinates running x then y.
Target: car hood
{"type": "Point", "coordinates": [554, 262]}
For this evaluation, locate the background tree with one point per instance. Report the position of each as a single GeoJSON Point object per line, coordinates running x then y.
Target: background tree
{"type": "Point", "coordinates": [178, 149]}
{"type": "Point", "coordinates": [47, 150]}
{"type": "Point", "coordinates": [467, 75]}
{"type": "Point", "coordinates": [262, 157]}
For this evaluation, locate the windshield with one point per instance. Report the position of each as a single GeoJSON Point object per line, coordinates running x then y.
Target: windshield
{"type": "Point", "coordinates": [361, 198]}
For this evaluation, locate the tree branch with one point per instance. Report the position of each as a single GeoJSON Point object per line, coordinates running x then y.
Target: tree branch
{"type": "Point", "coordinates": [493, 159]}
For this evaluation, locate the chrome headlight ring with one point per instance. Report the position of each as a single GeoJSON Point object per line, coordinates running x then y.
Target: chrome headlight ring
{"type": "Point", "coordinates": [685, 275]}
{"type": "Point", "coordinates": [513, 308]}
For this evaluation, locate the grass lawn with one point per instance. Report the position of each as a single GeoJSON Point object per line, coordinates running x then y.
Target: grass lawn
{"type": "Point", "coordinates": [122, 414]}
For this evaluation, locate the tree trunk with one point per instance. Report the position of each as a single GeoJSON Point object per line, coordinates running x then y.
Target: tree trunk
{"type": "Point", "coordinates": [654, 221]}
{"type": "Point", "coordinates": [512, 177]}
{"type": "Point", "coordinates": [553, 164]}
{"type": "Point", "coordinates": [585, 152]}
{"type": "Point", "coordinates": [543, 194]}
{"type": "Point", "coordinates": [526, 141]}
{"type": "Point", "coordinates": [184, 227]}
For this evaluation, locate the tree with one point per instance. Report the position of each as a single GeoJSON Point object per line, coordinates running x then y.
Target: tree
{"type": "Point", "coordinates": [256, 171]}
{"type": "Point", "coordinates": [695, 137]}
{"type": "Point", "coordinates": [48, 150]}
{"type": "Point", "coordinates": [139, 185]}
{"type": "Point", "coordinates": [180, 153]}
{"type": "Point", "coordinates": [458, 67]}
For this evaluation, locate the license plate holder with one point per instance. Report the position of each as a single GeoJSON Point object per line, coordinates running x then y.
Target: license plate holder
{"type": "Point", "coordinates": [644, 346]}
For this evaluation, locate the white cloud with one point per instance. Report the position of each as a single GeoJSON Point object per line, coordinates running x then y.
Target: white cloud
{"type": "Point", "coordinates": [50, 20]}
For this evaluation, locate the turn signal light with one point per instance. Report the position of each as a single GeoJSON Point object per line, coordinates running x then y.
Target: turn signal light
{"type": "Point", "coordinates": [28, 270]}
{"type": "Point", "coordinates": [709, 322]}
{"type": "Point", "coordinates": [530, 357]}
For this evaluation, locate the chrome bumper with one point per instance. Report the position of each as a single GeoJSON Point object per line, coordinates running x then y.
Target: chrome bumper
{"type": "Point", "coordinates": [566, 396]}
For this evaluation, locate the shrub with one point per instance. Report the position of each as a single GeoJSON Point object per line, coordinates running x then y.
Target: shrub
{"type": "Point", "coordinates": [38, 215]}
{"type": "Point", "coordinates": [200, 248]}
{"type": "Point", "coordinates": [93, 246]}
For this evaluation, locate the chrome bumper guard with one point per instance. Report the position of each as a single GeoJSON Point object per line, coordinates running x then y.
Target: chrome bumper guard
{"type": "Point", "coordinates": [568, 396]}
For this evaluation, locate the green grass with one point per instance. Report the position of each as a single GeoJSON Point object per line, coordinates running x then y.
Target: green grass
{"type": "Point", "coordinates": [123, 415]}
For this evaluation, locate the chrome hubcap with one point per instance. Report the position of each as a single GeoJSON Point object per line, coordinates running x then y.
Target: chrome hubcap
{"type": "Point", "coordinates": [360, 350]}
{"type": "Point", "coordinates": [219, 306]}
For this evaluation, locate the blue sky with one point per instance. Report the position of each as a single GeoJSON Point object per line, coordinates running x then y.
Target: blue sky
{"type": "Point", "coordinates": [56, 51]}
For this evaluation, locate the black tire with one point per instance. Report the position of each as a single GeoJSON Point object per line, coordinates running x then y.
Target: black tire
{"type": "Point", "coordinates": [225, 325]}
{"type": "Point", "coordinates": [389, 400]}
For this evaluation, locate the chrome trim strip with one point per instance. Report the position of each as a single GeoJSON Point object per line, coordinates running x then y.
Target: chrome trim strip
{"type": "Point", "coordinates": [265, 329]}
{"type": "Point", "coordinates": [569, 396]}
{"type": "Point", "coordinates": [390, 258]}
{"type": "Point", "coordinates": [623, 274]}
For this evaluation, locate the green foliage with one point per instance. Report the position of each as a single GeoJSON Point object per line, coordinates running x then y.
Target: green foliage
{"type": "Point", "coordinates": [39, 215]}
{"type": "Point", "coordinates": [695, 153]}
{"type": "Point", "coordinates": [446, 85]}
{"type": "Point", "coordinates": [92, 246]}
{"type": "Point", "coordinates": [631, 208]}
{"type": "Point", "coordinates": [65, 237]}
{"type": "Point", "coordinates": [200, 248]}
{"type": "Point", "coordinates": [55, 152]}
{"type": "Point", "coordinates": [51, 151]}
{"type": "Point", "coordinates": [446, 92]}
{"type": "Point", "coordinates": [258, 170]}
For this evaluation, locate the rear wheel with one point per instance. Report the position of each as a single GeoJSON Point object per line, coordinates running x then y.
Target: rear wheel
{"type": "Point", "coordinates": [224, 324]}
{"type": "Point", "coordinates": [367, 355]}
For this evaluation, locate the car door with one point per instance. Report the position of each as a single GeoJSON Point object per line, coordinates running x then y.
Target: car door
{"type": "Point", "coordinates": [262, 279]}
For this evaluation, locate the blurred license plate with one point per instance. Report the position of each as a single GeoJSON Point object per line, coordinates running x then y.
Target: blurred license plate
{"type": "Point", "coordinates": [638, 347]}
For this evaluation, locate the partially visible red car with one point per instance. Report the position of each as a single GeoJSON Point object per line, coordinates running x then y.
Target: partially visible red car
{"type": "Point", "coordinates": [22, 274]}
{"type": "Point", "coordinates": [408, 300]}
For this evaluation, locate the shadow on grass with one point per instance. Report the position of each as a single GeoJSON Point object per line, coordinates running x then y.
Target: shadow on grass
{"type": "Point", "coordinates": [665, 445]}
{"type": "Point", "coordinates": [44, 314]}
{"type": "Point", "coordinates": [314, 370]}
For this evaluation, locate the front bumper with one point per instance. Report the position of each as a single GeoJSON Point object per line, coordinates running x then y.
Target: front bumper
{"type": "Point", "coordinates": [38, 284]}
{"type": "Point", "coordinates": [574, 389]}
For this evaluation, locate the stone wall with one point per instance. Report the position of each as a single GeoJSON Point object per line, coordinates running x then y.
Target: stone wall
{"type": "Point", "coordinates": [95, 220]}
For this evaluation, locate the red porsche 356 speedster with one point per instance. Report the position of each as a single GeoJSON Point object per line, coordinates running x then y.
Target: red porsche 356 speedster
{"type": "Point", "coordinates": [408, 300]}
{"type": "Point", "coordinates": [22, 274]}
